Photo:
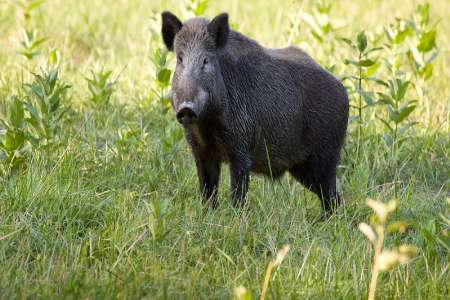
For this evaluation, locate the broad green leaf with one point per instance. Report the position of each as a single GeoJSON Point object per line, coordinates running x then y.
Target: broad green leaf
{"type": "Point", "coordinates": [163, 58]}
{"type": "Point", "coordinates": [366, 63]}
{"type": "Point", "coordinates": [156, 57]}
{"type": "Point", "coordinates": [361, 41]}
{"type": "Point", "coordinates": [403, 113]}
{"type": "Point", "coordinates": [14, 140]}
{"type": "Point", "coordinates": [401, 90]}
{"type": "Point", "coordinates": [37, 43]}
{"type": "Point", "coordinates": [392, 88]}
{"type": "Point", "coordinates": [427, 71]}
{"type": "Point", "coordinates": [427, 41]}
{"type": "Point", "coordinates": [385, 99]}
{"type": "Point", "coordinates": [327, 28]}
{"type": "Point", "coordinates": [51, 80]}
{"type": "Point", "coordinates": [34, 114]}
{"type": "Point", "coordinates": [29, 55]}
{"type": "Point", "coordinates": [200, 9]}
{"type": "Point", "coordinates": [401, 36]}
{"type": "Point", "coordinates": [164, 76]}
{"type": "Point", "coordinates": [424, 12]}
{"type": "Point", "coordinates": [16, 113]}
{"type": "Point", "coordinates": [54, 57]}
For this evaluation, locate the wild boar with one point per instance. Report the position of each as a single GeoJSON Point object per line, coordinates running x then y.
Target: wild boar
{"type": "Point", "coordinates": [260, 110]}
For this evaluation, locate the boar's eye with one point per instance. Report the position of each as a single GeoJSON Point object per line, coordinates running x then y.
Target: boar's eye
{"type": "Point", "coordinates": [205, 62]}
{"type": "Point", "coordinates": [180, 58]}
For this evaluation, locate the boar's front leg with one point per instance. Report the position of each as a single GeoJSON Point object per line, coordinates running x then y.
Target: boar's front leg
{"type": "Point", "coordinates": [240, 176]}
{"type": "Point", "coordinates": [208, 170]}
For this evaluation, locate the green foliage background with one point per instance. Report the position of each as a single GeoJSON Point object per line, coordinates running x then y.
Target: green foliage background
{"type": "Point", "coordinates": [100, 200]}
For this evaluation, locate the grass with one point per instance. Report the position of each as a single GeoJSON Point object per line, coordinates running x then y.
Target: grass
{"type": "Point", "coordinates": [115, 212]}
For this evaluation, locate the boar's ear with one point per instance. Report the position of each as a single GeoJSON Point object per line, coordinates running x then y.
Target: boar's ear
{"type": "Point", "coordinates": [218, 28]}
{"type": "Point", "coordinates": [170, 27]}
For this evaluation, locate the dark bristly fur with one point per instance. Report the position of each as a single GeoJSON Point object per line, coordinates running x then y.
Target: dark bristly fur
{"type": "Point", "coordinates": [261, 110]}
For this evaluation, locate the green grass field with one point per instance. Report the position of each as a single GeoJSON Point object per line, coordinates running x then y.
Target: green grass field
{"type": "Point", "coordinates": [112, 208]}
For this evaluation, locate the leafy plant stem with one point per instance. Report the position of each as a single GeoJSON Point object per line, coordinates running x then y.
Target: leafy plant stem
{"type": "Point", "coordinates": [359, 111]}
{"type": "Point", "coordinates": [375, 269]}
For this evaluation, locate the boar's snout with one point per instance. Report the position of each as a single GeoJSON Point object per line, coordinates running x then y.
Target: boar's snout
{"type": "Point", "coordinates": [186, 113]}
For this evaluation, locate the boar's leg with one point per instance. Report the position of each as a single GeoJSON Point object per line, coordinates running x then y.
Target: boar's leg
{"type": "Point", "coordinates": [208, 170]}
{"type": "Point", "coordinates": [240, 176]}
{"type": "Point", "coordinates": [328, 193]}
{"type": "Point", "coordinates": [319, 178]}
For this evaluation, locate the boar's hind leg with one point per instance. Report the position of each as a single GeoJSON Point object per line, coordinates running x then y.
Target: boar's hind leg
{"type": "Point", "coordinates": [319, 178]}
{"type": "Point", "coordinates": [240, 177]}
{"type": "Point", "coordinates": [208, 170]}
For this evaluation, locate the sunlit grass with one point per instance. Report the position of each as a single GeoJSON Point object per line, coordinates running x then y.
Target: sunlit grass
{"type": "Point", "coordinates": [115, 212]}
